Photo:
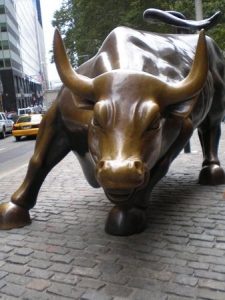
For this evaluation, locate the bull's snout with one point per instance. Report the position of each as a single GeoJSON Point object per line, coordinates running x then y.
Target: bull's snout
{"type": "Point", "coordinates": [116, 174]}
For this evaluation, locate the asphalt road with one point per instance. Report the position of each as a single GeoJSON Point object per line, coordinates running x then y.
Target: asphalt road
{"type": "Point", "coordinates": [14, 155]}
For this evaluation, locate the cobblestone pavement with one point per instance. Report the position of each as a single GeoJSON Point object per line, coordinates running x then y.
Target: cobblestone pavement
{"type": "Point", "coordinates": [65, 253]}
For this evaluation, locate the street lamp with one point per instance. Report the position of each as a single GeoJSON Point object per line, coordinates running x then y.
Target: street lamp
{"type": "Point", "coordinates": [198, 10]}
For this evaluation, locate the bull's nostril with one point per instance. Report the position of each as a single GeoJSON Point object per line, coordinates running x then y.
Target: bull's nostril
{"type": "Point", "coordinates": [101, 164]}
{"type": "Point", "coordinates": [138, 166]}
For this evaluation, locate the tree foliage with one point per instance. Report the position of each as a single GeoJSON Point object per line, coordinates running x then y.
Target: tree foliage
{"type": "Point", "coordinates": [84, 24]}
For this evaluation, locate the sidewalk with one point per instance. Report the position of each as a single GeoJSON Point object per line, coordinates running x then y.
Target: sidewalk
{"type": "Point", "coordinates": [65, 253]}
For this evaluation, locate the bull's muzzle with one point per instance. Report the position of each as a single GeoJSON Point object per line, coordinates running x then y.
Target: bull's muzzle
{"type": "Point", "coordinates": [119, 175]}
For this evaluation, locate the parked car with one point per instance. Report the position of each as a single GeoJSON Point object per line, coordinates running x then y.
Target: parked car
{"type": "Point", "coordinates": [26, 110]}
{"type": "Point", "coordinates": [27, 125]}
{"type": "Point", "coordinates": [12, 115]}
{"type": "Point", "coordinates": [37, 109]}
{"type": "Point", "coordinates": [6, 125]}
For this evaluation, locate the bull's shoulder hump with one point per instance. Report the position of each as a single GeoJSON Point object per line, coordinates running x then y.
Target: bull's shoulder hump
{"type": "Point", "coordinates": [127, 40]}
{"type": "Point", "coordinates": [127, 48]}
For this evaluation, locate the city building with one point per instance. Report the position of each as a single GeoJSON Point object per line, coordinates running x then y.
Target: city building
{"type": "Point", "coordinates": [23, 72]}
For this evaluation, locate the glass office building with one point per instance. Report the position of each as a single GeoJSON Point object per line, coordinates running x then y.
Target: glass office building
{"type": "Point", "coordinates": [22, 55]}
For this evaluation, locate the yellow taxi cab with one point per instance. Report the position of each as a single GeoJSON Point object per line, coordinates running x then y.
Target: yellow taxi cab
{"type": "Point", "coordinates": [26, 125]}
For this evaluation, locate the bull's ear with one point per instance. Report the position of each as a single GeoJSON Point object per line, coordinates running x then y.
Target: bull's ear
{"type": "Point", "coordinates": [182, 109]}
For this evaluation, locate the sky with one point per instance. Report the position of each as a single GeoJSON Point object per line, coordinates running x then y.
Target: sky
{"type": "Point", "coordinates": [48, 7]}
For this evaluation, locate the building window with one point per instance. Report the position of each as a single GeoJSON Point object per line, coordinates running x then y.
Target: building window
{"type": "Point", "coordinates": [4, 45]}
{"type": "Point", "coordinates": [3, 27]}
{"type": "Point", "coordinates": [7, 63]}
{"type": "Point", "coordinates": [1, 63]}
{"type": "Point", "coordinates": [2, 9]}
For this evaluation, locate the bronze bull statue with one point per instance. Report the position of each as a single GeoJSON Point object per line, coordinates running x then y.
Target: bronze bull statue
{"type": "Point", "coordinates": [126, 114]}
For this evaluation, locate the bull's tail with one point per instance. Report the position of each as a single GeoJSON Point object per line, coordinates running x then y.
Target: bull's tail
{"type": "Point", "coordinates": [178, 20]}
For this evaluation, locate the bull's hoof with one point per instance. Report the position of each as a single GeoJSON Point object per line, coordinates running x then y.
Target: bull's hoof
{"type": "Point", "coordinates": [124, 222]}
{"type": "Point", "coordinates": [13, 216]}
{"type": "Point", "coordinates": [212, 175]}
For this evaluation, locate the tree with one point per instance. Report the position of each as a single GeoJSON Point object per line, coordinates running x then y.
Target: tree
{"type": "Point", "coordinates": [84, 24]}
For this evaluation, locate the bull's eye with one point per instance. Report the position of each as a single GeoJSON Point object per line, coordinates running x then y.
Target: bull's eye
{"type": "Point", "coordinates": [95, 122]}
{"type": "Point", "coordinates": [154, 125]}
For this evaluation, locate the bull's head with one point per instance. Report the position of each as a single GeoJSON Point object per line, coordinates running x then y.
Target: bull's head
{"type": "Point", "coordinates": [125, 135]}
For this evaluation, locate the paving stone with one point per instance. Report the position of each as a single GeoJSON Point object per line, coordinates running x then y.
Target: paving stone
{"type": "Point", "coordinates": [38, 263]}
{"type": "Point", "coordinates": [89, 272]}
{"type": "Point", "coordinates": [36, 295]}
{"type": "Point", "coordinates": [197, 265]}
{"type": "Point", "coordinates": [110, 268]}
{"type": "Point", "coordinates": [2, 284]}
{"type": "Point", "coordinates": [77, 245]}
{"type": "Point", "coordinates": [62, 268]}
{"type": "Point", "coordinates": [212, 284]}
{"type": "Point", "coordinates": [214, 252]}
{"type": "Point", "coordinates": [84, 262]}
{"type": "Point", "coordinates": [56, 241]}
{"type": "Point", "coordinates": [163, 276]}
{"type": "Point", "coordinates": [218, 268]}
{"type": "Point", "coordinates": [23, 251]}
{"type": "Point", "coordinates": [14, 243]}
{"type": "Point", "coordinates": [15, 237]}
{"type": "Point", "coordinates": [202, 237]}
{"type": "Point", "coordinates": [65, 278]}
{"type": "Point", "coordinates": [210, 275]}
{"type": "Point", "coordinates": [17, 279]}
{"type": "Point", "coordinates": [13, 290]}
{"type": "Point", "coordinates": [174, 261]}
{"type": "Point", "coordinates": [143, 283]}
{"type": "Point", "coordinates": [209, 294]}
{"type": "Point", "coordinates": [8, 297]}
{"type": "Point", "coordinates": [38, 284]}
{"type": "Point", "coordinates": [212, 259]}
{"type": "Point", "coordinates": [41, 255]}
{"type": "Point", "coordinates": [164, 252]}
{"type": "Point", "coordinates": [16, 269]}
{"type": "Point", "coordinates": [57, 249]}
{"type": "Point", "coordinates": [177, 297]}
{"type": "Point", "coordinates": [39, 273]}
{"type": "Point", "coordinates": [65, 290]}
{"type": "Point", "coordinates": [204, 244]}
{"type": "Point", "coordinates": [179, 290]}
{"type": "Point", "coordinates": [117, 290]}
{"type": "Point", "coordinates": [186, 280]}
{"type": "Point", "coordinates": [95, 295]}
{"type": "Point", "coordinates": [3, 274]}
{"type": "Point", "coordinates": [147, 295]}
{"type": "Point", "coordinates": [67, 259]}
{"type": "Point", "coordinates": [115, 278]}
{"type": "Point", "coordinates": [3, 256]}
{"type": "Point", "coordinates": [91, 284]}
{"type": "Point", "coordinates": [17, 259]}
{"type": "Point", "coordinates": [6, 249]}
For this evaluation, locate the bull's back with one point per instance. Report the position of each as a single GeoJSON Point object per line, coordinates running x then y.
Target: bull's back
{"type": "Point", "coordinates": [166, 56]}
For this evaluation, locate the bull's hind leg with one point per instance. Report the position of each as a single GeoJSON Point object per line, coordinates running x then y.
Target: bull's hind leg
{"type": "Point", "coordinates": [51, 147]}
{"type": "Point", "coordinates": [211, 173]}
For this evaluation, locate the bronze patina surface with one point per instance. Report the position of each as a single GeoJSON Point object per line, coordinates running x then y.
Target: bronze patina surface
{"type": "Point", "coordinates": [126, 114]}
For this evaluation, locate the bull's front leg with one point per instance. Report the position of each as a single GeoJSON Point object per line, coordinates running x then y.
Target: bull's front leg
{"type": "Point", "coordinates": [50, 148]}
{"type": "Point", "coordinates": [211, 173]}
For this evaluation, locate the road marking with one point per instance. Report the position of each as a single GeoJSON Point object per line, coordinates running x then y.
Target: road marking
{"type": "Point", "coordinates": [2, 149]}
{"type": "Point", "coordinates": [13, 171]}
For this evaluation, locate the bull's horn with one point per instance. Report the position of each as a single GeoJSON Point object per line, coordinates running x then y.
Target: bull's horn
{"type": "Point", "coordinates": [194, 82]}
{"type": "Point", "coordinates": [80, 85]}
